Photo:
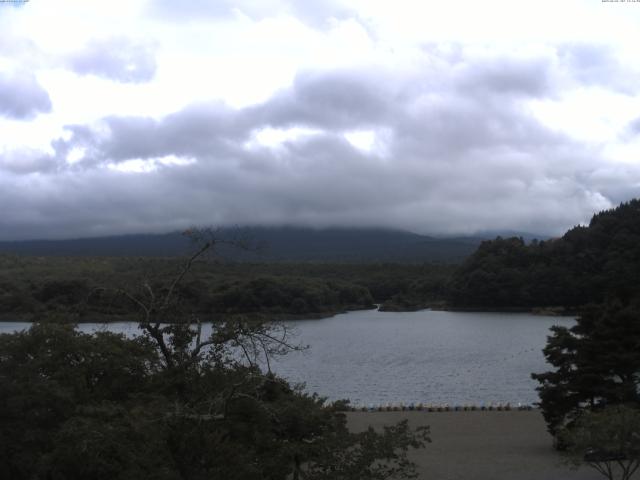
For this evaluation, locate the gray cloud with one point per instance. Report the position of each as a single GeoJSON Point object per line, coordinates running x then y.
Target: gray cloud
{"type": "Point", "coordinates": [318, 14]}
{"type": "Point", "coordinates": [26, 160]}
{"type": "Point", "coordinates": [115, 58]}
{"type": "Point", "coordinates": [505, 76]}
{"type": "Point", "coordinates": [22, 97]}
{"type": "Point", "coordinates": [598, 65]}
{"type": "Point", "coordinates": [198, 130]}
{"type": "Point", "coordinates": [456, 151]}
{"type": "Point", "coordinates": [314, 14]}
{"type": "Point", "coordinates": [334, 100]}
{"type": "Point", "coordinates": [633, 128]}
{"type": "Point", "coordinates": [193, 10]}
{"type": "Point", "coordinates": [619, 183]}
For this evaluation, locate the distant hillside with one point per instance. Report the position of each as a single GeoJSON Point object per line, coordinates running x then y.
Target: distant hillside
{"type": "Point", "coordinates": [278, 244]}
{"type": "Point", "coordinates": [587, 264]}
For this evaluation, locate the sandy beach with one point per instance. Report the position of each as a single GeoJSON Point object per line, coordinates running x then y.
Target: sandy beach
{"type": "Point", "coordinates": [476, 445]}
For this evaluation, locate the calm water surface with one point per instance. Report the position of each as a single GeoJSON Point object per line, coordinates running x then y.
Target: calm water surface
{"type": "Point", "coordinates": [427, 356]}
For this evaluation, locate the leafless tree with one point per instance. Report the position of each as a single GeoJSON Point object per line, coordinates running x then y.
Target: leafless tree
{"type": "Point", "coordinates": [179, 336]}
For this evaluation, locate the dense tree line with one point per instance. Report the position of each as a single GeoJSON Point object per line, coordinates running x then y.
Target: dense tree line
{"type": "Point", "coordinates": [587, 264]}
{"type": "Point", "coordinates": [288, 295]}
{"type": "Point", "coordinates": [263, 294]}
{"type": "Point", "coordinates": [591, 398]}
{"type": "Point", "coordinates": [174, 403]}
{"type": "Point", "coordinates": [87, 287]}
{"type": "Point", "coordinates": [593, 271]}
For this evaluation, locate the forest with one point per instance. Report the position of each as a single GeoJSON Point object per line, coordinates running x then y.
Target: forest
{"type": "Point", "coordinates": [172, 395]}
{"type": "Point", "coordinates": [86, 288]}
{"type": "Point", "coordinates": [588, 264]}
{"type": "Point", "coordinates": [172, 404]}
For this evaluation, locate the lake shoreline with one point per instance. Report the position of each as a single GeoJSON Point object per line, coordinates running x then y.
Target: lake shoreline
{"type": "Point", "coordinates": [117, 318]}
{"type": "Point", "coordinates": [284, 317]}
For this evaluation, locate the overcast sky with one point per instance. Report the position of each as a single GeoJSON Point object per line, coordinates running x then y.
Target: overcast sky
{"type": "Point", "coordinates": [436, 117]}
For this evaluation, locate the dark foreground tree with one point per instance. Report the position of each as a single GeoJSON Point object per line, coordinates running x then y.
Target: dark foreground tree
{"type": "Point", "coordinates": [175, 403]}
{"type": "Point", "coordinates": [597, 363]}
{"type": "Point", "coordinates": [608, 440]}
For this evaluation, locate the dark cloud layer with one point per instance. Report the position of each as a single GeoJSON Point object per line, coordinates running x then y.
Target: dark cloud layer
{"type": "Point", "coordinates": [455, 151]}
{"type": "Point", "coordinates": [27, 160]}
{"type": "Point", "coordinates": [22, 97]}
{"type": "Point", "coordinates": [333, 100]}
{"type": "Point", "coordinates": [117, 59]}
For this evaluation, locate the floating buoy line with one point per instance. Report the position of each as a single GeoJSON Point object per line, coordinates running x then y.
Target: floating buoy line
{"type": "Point", "coordinates": [422, 407]}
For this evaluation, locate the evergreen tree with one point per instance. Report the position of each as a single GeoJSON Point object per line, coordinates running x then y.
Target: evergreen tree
{"type": "Point", "coordinates": [597, 363]}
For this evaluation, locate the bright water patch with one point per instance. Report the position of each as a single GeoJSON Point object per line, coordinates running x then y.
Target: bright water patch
{"type": "Point", "coordinates": [427, 356]}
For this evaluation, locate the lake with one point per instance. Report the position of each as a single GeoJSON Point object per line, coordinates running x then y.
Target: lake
{"type": "Point", "coordinates": [374, 357]}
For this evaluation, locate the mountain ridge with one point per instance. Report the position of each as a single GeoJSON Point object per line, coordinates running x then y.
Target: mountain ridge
{"type": "Point", "coordinates": [279, 244]}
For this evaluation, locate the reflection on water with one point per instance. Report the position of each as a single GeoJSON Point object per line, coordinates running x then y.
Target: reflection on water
{"type": "Point", "coordinates": [427, 356]}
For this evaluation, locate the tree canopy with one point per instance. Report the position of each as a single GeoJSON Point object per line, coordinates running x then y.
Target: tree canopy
{"type": "Point", "coordinates": [586, 265]}
{"type": "Point", "coordinates": [173, 404]}
{"type": "Point", "coordinates": [597, 363]}
{"type": "Point", "coordinates": [607, 440]}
